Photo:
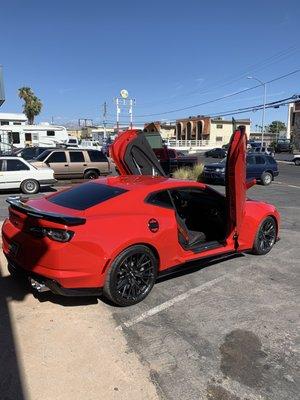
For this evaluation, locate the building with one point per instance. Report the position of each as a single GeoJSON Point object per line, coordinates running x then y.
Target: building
{"type": "Point", "coordinates": [293, 129]}
{"type": "Point", "coordinates": [167, 131]}
{"type": "Point", "coordinates": [203, 131]}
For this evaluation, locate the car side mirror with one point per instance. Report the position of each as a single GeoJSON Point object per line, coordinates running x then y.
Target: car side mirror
{"type": "Point", "coordinates": [250, 183]}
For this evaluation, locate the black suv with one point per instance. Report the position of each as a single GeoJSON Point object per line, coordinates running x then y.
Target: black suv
{"type": "Point", "coordinates": [262, 167]}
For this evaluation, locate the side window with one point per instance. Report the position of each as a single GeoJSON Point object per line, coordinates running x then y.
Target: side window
{"type": "Point", "coordinates": [57, 157]}
{"type": "Point", "coordinates": [250, 160]}
{"type": "Point", "coordinates": [1, 165]}
{"type": "Point", "coordinates": [161, 199]}
{"type": "Point", "coordinates": [16, 165]}
{"type": "Point", "coordinates": [76, 156]}
{"type": "Point", "coordinates": [271, 160]}
{"type": "Point", "coordinates": [15, 137]}
{"type": "Point", "coordinates": [260, 160]}
{"type": "Point", "coordinates": [50, 133]}
{"type": "Point", "coordinates": [97, 156]}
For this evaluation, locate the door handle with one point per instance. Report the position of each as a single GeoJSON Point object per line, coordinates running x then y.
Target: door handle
{"type": "Point", "coordinates": [84, 165]}
{"type": "Point", "coordinates": [66, 165]}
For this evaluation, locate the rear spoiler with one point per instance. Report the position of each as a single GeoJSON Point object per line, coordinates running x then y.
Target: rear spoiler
{"type": "Point", "coordinates": [19, 204]}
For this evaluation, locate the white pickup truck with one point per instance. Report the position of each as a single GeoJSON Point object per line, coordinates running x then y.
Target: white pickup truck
{"type": "Point", "coordinates": [17, 173]}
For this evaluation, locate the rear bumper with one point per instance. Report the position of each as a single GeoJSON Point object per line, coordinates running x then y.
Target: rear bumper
{"type": "Point", "coordinates": [51, 284]}
{"type": "Point", "coordinates": [43, 182]}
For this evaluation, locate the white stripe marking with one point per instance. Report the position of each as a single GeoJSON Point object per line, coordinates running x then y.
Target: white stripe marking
{"type": "Point", "coordinates": [170, 303]}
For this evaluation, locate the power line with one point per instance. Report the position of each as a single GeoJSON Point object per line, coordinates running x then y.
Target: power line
{"type": "Point", "coordinates": [219, 98]}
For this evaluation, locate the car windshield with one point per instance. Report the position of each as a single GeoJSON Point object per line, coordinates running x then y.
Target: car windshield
{"type": "Point", "coordinates": [43, 155]}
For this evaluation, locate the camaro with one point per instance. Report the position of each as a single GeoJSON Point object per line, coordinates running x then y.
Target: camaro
{"type": "Point", "coordinates": [115, 235]}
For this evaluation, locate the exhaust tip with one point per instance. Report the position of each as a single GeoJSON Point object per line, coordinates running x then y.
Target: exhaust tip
{"type": "Point", "coordinates": [38, 286]}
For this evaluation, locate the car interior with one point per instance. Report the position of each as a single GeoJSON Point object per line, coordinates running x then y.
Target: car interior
{"type": "Point", "coordinates": [201, 218]}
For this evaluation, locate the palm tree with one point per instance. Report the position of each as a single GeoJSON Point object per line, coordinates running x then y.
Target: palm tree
{"type": "Point", "coordinates": [32, 105]}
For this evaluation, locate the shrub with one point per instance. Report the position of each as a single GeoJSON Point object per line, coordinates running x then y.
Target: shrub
{"type": "Point", "coordinates": [192, 174]}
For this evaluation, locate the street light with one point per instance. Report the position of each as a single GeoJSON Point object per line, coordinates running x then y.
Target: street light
{"type": "Point", "coordinates": [264, 106]}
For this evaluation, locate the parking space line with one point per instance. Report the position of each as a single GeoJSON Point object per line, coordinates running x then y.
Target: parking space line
{"type": "Point", "coordinates": [287, 184]}
{"type": "Point", "coordinates": [170, 303]}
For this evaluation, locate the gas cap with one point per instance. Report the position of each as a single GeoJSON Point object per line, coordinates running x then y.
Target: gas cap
{"type": "Point", "coordinates": [153, 225]}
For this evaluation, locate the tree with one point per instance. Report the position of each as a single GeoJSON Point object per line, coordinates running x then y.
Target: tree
{"type": "Point", "coordinates": [276, 127]}
{"type": "Point", "coordinates": [32, 105]}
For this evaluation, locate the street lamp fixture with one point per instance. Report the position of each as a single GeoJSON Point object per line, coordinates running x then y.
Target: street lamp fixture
{"type": "Point", "coordinates": [264, 106]}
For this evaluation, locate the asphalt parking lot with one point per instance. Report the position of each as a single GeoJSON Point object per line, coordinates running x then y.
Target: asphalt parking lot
{"type": "Point", "coordinates": [224, 331]}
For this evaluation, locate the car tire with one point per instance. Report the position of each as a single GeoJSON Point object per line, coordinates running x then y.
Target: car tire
{"type": "Point", "coordinates": [265, 237]}
{"type": "Point", "coordinates": [91, 174]}
{"type": "Point", "coordinates": [30, 186]}
{"type": "Point", "coordinates": [297, 162]}
{"type": "Point", "coordinates": [266, 178]}
{"type": "Point", "coordinates": [14, 273]}
{"type": "Point", "coordinates": [131, 276]}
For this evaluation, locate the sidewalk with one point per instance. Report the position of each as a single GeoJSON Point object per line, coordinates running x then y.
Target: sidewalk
{"type": "Point", "coordinates": [64, 349]}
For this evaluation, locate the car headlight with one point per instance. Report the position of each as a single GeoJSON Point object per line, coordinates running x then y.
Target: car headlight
{"type": "Point", "coordinates": [58, 235]}
{"type": "Point", "coordinates": [220, 169]}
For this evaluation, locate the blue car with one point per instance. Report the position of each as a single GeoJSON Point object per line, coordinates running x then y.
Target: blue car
{"type": "Point", "coordinates": [262, 167]}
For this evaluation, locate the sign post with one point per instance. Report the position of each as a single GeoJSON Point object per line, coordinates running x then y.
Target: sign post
{"type": "Point", "coordinates": [124, 102]}
{"type": "Point", "coordinates": [2, 95]}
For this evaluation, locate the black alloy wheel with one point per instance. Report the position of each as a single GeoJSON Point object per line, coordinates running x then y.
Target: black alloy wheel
{"type": "Point", "coordinates": [265, 237]}
{"type": "Point", "coordinates": [131, 276]}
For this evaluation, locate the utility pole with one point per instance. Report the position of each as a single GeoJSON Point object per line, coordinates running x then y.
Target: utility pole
{"type": "Point", "coordinates": [104, 119]}
{"type": "Point", "coordinates": [264, 106]}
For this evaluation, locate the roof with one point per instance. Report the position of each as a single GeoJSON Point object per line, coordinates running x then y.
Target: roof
{"type": "Point", "coordinates": [13, 116]}
{"type": "Point", "coordinates": [132, 182]}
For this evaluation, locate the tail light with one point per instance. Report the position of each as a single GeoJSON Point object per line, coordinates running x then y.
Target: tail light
{"type": "Point", "coordinates": [58, 235]}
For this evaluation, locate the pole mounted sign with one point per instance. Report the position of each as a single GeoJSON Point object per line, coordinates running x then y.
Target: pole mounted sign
{"type": "Point", "coordinates": [124, 102]}
{"type": "Point", "coordinates": [2, 96]}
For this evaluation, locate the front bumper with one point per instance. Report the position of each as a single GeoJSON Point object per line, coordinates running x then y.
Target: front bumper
{"type": "Point", "coordinates": [43, 284]}
{"type": "Point", "coordinates": [212, 176]}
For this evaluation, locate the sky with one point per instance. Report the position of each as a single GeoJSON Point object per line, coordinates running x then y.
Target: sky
{"type": "Point", "coordinates": [168, 54]}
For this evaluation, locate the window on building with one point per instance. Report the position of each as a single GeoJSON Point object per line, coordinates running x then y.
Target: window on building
{"type": "Point", "coordinates": [219, 139]}
{"type": "Point", "coordinates": [4, 123]}
{"type": "Point", "coordinates": [76, 156]}
{"type": "Point", "coordinates": [15, 137]}
{"type": "Point", "coordinates": [50, 133]}
{"type": "Point", "coordinates": [27, 137]}
{"type": "Point", "coordinates": [16, 165]}
{"type": "Point", "coordinates": [17, 123]}
{"type": "Point", "coordinates": [219, 126]}
{"type": "Point", "coordinates": [57, 157]}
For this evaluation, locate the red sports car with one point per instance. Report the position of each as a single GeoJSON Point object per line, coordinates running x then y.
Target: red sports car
{"type": "Point", "coordinates": [115, 235]}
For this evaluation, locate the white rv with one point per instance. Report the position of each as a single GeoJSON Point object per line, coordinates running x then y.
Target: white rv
{"type": "Point", "coordinates": [21, 136]}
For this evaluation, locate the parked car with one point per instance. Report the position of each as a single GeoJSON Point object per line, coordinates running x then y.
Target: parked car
{"type": "Point", "coordinates": [30, 153]}
{"type": "Point", "coordinates": [116, 235]}
{"type": "Point", "coordinates": [283, 145]}
{"type": "Point", "coordinates": [17, 173]}
{"type": "Point", "coordinates": [262, 167]}
{"type": "Point", "coordinates": [296, 159]}
{"type": "Point", "coordinates": [171, 159]}
{"type": "Point", "coordinates": [68, 164]}
{"type": "Point", "coordinates": [216, 153]}
{"type": "Point", "coordinates": [262, 149]}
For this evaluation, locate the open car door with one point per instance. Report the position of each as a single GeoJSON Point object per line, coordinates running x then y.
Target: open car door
{"type": "Point", "coordinates": [235, 180]}
{"type": "Point", "coordinates": [133, 155]}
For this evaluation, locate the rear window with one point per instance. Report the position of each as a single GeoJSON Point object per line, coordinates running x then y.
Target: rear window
{"type": "Point", "coordinates": [97, 156]}
{"type": "Point", "coordinates": [85, 196]}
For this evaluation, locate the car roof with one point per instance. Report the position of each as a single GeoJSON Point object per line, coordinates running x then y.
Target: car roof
{"type": "Point", "coordinates": [150, 183]}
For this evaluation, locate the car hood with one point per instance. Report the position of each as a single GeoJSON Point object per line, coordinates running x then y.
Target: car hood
{"type": "Point", "coordinates": [214, 165]}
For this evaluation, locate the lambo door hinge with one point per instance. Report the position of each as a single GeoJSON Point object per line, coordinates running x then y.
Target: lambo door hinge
{"type": "Point", "coordinates": [236, 240]}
